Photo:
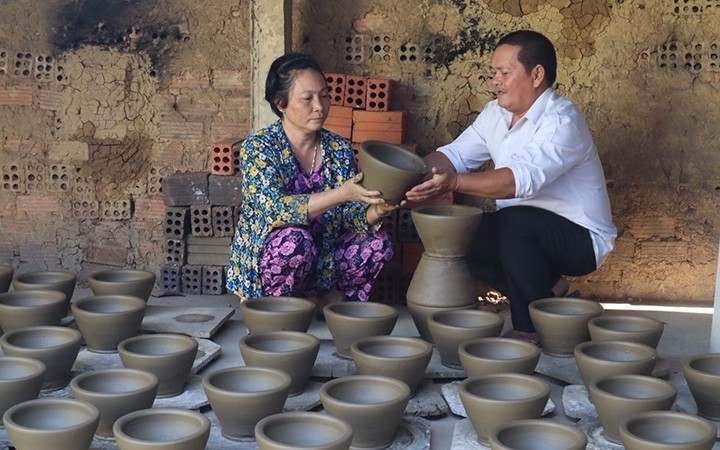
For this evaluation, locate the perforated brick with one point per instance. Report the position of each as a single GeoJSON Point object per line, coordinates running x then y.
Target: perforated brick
{"type": "Point", "coordinates": [355, 91]}
{"type": "Point", "coordinates": [154, 181]}
{"type": "Point", "coordinates": [409, 53]}
{"type": "Point", "coordinates": [170, 279]}
{"type": "Point", "coordinates": [86, 209]}
{"type": "Point", "coordinates": [225, 157]}
{"type": "Point", "coordinates": [3, 62]}
{"type": "Point", "coordinates": [12, 178]}
{"type": "Point", "coordinates": [379, 92]}
{"type": "Point", "coordinates": [354, 49]}
{"type": "Point", "coordinates": [23, 65]}
{"type": "Point", "coordinates": [406, 227]}
{"type": "Point", "coordinates": [175, 251]}
{"type": "Point", "coordinates": [223, 221]}
{"type": "Point", "coordinates": [44, 68]}
{"type": "Point", "coordinates": [36, 176]}
{"type": "Point", "coordinates": [201, 220]}
{"type": "Point", "coordinates": [116, 209]}
{"type": "Point", "coordinates": [336, 85]}
{"type": "Point", "coordinates": [59, 177]}
{"type": "Point", "coordinates": [177, 222]}
{"type": "Point", "coordinates": [390, 226]}
{"type": "Point", "coordinates": [192, 278]}
{"type": "Point", "coordinates": [213, 280]}
{"type": "Point", "coordinates": [381, 48]}
{"type": "Point", "coordinates": [83, 187]}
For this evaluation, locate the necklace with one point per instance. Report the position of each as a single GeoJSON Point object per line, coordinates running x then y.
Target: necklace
{"type": "Point", "coordinates": [314, 160]}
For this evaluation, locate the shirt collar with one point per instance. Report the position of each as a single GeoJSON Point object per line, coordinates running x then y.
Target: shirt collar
{"type": "Point", "coordinates": [536, 109]}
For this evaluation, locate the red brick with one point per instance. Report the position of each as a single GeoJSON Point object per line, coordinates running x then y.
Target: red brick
{"type": "Point", "coordinates": [150, 209]}
{"type": "Point", "coordinates": [395, 117]}
{"type": "Point", "coordinates": [51, 100]}
{"type": "Point", "coordinates": [107, 251]}
{"type": "Point", "coordinates": [173, 130]}
{"type": "Point", "coordinates": [46, 252]}
{"type": "Point", "coordinates": [224, 131]}
{"type": "Point", "coordinates": [16, 96]}
{"type": "Point", "coordinates": [190, 107]}
{"type": "Point", "coordinates": [383, 127]}
{"type": "Point", "coordinates": [343, 131]}
{"type": "Point", "coordinates": [225, 157]}
{"type": "Point", "coordinates": [355, 91]}
{"type": "Point", "coordinates": [336, 83]}
{"type": "Point", "coordinates": [37, 204]}
{"type": "Point", "coordinates": [379, 92]}
{"type": "Point", "coordinates": [389, 137]}
{"type": "Point", "coordinates": [190, 81]}
{"type": "Point", "coordinates": [231, 80]}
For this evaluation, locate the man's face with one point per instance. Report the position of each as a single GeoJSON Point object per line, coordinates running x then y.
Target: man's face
{"type": "Point", "coordinates": [516, 89]}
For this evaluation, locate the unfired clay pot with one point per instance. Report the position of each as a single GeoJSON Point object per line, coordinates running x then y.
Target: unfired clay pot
{"type": "Point", "coordinates": [263, 314]}
{"type": "Point", "coordinates": [169, 356]}
{"type": "Point", "coordinates": [115, 392]}
{"type": "Point", "coordinates": [602, 359]}
{"type": "Point", "coordinates": [620, 396]}
{"type": "Point", "coordinates": [485, 356]}
{"type": "Point", "coordinates": [373, 405]}
{"type": "Point", "coordinates": [446, 230]}
{"type": "Point", "coordinates": [390, 169]}
{"type": "Point", "coordinates": [53, 280]}
{"type": "Point", "coordinates": [493, 400]}
{"type": "Point", "coordinates": [610, 327]}
{"type": "Point", "coordinates": [6, 276]}
{"type": "Point", "coordinates": [303, 430]}
{"type": "Point", "coordinates": [351, 321]}
{"type": "Point", "coordinates": [241, 396]}
{"type": "Point", "coordinates": [449, 329]}
{"type": "Point", "coordinates": [138, 283]}
{"type": "Point", "coordinates": [292, 352]}
{"type": "Point", "coordinates": [20, 380]}
{"type": "Point", "coordinates": [561, 323]}
{"type": "Point", "coordinates": [106, 320]}
{"type": "Point", "coordinates": [702, 373]}
{"type": "Point", "coordinates": [20, 309]}
{"type": "Point", "coordinates": [56, 347]}
{"type": "Point", "coordinates": [666, 430]}
{"type": "Point", "coordinates": [537, 434]}
{"type": "Point", "coordinates": [403, 358]}
{"type": "Point", "coordinates": [162, 429]}
{"type": "Point", "coordinates": [420, 314]}
{"type": "Point", "coordinates": [51, 423]}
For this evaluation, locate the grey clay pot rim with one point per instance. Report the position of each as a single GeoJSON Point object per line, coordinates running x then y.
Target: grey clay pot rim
{"type": "Point", "coordinates": [420, 167]}
{"type": "Point", "coordinates": [394, 382]}
{"type": "Point", "coordinates": [645, 351]}
{"type": "Point", "coordinates": [192, 344]}
{"type": "Point", "coordinates": [494, 435]}
{"type": "Point", "coordinates": [308, 340]}
{"type": "Point", "coordinates": [494, 319]}
{"type": "Point", "coordinates": [207, 380]}
{"type": "Point", "coordinates": [202, 421]}
{"type": "Point", "coordinates": [38, 367]}
{"type": "Point", "coordinates": [688, 364]}
{"type": "Point", "coordinates": [257, 304]}
{"type": "Point", "coordinates": [505, 377]}
{"type": "Point", "coordinates": [531, 349]}
{"type": "Point", "coordinates": [676, 416]}
{"type": "Point", "coordinates": [345, 310]}
{"type": "Point", "coordinates": [431, 211]}
{"type": "Point", "coordinates": [30, 277]}
{"type": "Point", "coordinates": [308, 417]}
{"type": "Point", "coordinates": [139, 303]}
{"type": "Point", "coordinates": [424, 347]}
{"type": "Point", "coordinates": [30, 293]}
{"type": "Point", "coordinates": [75, 336]}
{"type": "Point", "coordinates": [590, 307]}
{"type": "Point", "coordinates": [602, 322]}
{"type": "Point", "coordinates": [151, 379]}
{"type": "Point", "coordinates": [596, 385]}
{"type": "Point", "coordinates": [89, 409]}
{"type": "Point", "coordinates": [128, 275]}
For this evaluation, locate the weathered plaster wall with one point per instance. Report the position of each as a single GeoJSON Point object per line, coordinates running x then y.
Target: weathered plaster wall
{"type": "Point", "coordinates": [645, 73]}
{"type": "Point", "coordinates": [99, 100]}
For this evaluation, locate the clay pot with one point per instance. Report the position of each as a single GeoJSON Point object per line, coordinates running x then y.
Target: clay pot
{"type": "Point", "coordinates": [20, 309]}
{"type": "Point", "coordinates": [373, 405]}
{"type": "Point", "coordinates": [20, 380]}
{"type": "Point", "coordinates": [486, 356]}
{"type": "Point", "coordinates": [106, 320]}
{"type": "Point", "coordinates": [626, 328]}
{"type": "Point", "coordinates": [493, 400]}
{"type": "Point", "coordinates": [6, 276]}
{"type": "Point", "coordinates": [351, 321]}
{"type": "Point", "coordinates": [537, 434]}
{"type": "Point", "coordinates": [292, 352]}
{"type": "Point", "coordinates": [665, 430]}
{"type": "Point", "coordinates": [449, 329]}
{"type": "Point", "coordinates": [420, 315]}
{"type": "Point", "coordinates": [115, 392]}
{"type": "Point", "coordinates": [162, 429]}
{"type": "Point", "coordinates": [602, 359]}
{"type": "Point", "coordinates": [51, 423]}
{"type": "Point", "coordinates": [47, 280]}
{"type": "Point", "coordinates": [390, 169]}
{"type": "Point", "coordinates": [241, 396]}
{"type": "Point", "coordinates": [621, 396]}
{"type": "Point", "coordinates": [403, 358]}
{"type": "Point", "coordinates": [561, 323]}
{"type": "Point", "coordinates": [702, 373]}
{"type": "Point", "coordinates": [263, 314]}
{"type": "Point", "coordinates": [296, 430]}
{"type": "Point", "coordinates": [138, 283]}
{"type": "Point", "coordinates": [56, 347]}
{"type": "Point", "coordinates": [446, 230]}
{"type": "Point", "coordinates": [169, 356]}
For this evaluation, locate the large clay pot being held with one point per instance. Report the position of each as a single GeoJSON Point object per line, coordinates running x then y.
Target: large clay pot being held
{"type": "Point", "coordinates": [390, 169]}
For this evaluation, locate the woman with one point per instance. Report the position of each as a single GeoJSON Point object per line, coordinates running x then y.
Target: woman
{"type": "Point", "coordinates": [307, 226]}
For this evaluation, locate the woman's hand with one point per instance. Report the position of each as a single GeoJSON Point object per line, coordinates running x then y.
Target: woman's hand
{"type": "Point", "coordinates": [353, 191]}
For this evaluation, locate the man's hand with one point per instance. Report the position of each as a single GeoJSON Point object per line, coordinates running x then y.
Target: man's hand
{"type": "Point", "coordinates": [442, 181]}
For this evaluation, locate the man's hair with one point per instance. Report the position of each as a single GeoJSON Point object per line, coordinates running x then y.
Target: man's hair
{"type": "Point", "coordinates": [535, 49]}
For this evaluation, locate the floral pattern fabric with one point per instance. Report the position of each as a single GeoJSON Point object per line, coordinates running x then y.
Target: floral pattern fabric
{"type": "Point", "coordinates": [275, 196]}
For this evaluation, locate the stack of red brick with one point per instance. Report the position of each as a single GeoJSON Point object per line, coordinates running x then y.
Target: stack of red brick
{"type": "Point", "coordinates": [200, 216]}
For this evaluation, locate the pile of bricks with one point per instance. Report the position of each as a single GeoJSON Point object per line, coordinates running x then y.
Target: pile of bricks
{"type": "Point", "coordinates": [200, 215]}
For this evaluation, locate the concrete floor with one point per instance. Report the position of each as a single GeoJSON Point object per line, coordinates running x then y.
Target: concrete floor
{"type": "Point", "coordinates": [686, 333]}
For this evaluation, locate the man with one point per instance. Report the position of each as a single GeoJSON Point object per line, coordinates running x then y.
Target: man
{"type": "Point", "coordinates": [553, 213]}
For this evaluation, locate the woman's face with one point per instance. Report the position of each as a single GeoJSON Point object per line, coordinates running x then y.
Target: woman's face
{"type": "Point", "coordinates": [308, 101]}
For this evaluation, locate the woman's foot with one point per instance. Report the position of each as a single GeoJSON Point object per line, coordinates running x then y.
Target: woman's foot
{"type": "Point", "coordinates": [527, 336]}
